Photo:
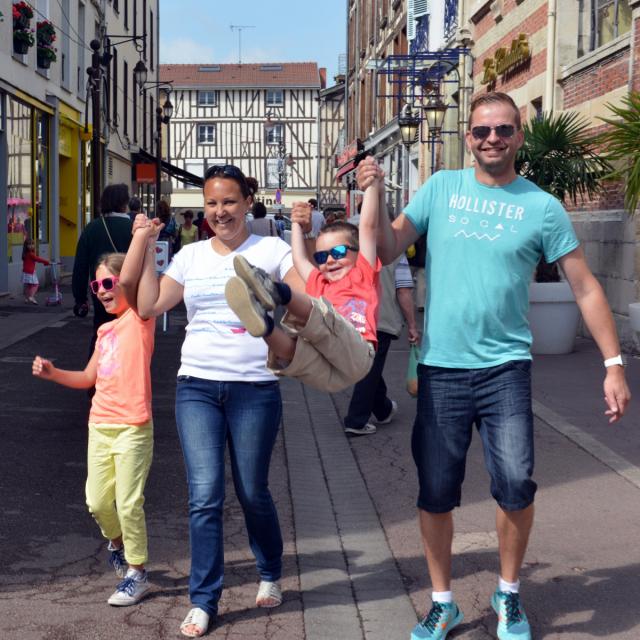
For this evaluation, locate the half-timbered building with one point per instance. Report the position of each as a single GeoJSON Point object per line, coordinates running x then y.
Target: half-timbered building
{"type": "Point", "coordinates": [220, 113]}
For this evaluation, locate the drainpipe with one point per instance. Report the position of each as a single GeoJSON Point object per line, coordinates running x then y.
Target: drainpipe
{"type": "Point", "coordinates": [550, 77]}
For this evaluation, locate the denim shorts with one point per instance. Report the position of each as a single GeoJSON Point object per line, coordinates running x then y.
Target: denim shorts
{"type": "Point", "coordinates": [450, 401]}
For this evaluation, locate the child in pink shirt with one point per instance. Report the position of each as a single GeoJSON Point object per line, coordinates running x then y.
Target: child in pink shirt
{"type": "Point", "coordinates": [120, 428]}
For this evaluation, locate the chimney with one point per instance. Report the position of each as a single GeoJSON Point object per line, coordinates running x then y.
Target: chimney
{"type": "Point", "coordinates": [323, 77]}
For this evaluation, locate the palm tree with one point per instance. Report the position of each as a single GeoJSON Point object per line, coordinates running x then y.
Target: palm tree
{"type": "Point", "coordinates": [622, 142]}
{"type": "Point", "coordinates": [561, 157]}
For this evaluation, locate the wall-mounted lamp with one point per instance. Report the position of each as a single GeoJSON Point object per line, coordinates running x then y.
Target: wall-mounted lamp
{"type": "Point", "coordinates": [409, 123]}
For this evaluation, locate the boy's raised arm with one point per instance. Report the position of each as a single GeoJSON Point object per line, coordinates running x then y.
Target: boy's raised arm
{"type": "Point", "coordinates": [368, 225]}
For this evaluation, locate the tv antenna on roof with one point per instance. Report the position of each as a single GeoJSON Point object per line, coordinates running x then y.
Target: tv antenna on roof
{"type": "Point", "coordinates": [239, 28]}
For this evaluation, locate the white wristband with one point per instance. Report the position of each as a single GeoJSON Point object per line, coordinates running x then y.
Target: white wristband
{"type": "Point", "coordinates": [610, 362]}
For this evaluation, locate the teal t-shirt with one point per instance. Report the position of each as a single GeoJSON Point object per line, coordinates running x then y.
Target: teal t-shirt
{"type": "Point", "coordinates": [483, 244]}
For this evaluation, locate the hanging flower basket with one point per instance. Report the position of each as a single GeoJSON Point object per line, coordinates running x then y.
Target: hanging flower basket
{"type": "Point", "coordinates": [23, 37]}
{"type": "Point", "coordinates": [44, 61]}
{"type": "Point", "coordinates": [46, 36]}
{"type": "Point", "coordinates": [22, 14]}
{"type": "Point", "coordinates": [22, 40]}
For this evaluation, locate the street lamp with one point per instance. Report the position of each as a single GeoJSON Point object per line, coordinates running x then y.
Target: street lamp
{"type": "Point", "coordinates": [434, 111]}
{"type": "Point", "coordinates": [163, 116]}
{"type": "Point", "coordinates": [409, 123]}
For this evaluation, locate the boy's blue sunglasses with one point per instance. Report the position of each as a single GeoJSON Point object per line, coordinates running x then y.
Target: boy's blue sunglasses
{"type": "Point", "coordinates": [337, 252]}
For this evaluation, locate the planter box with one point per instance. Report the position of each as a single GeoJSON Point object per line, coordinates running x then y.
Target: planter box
{"type": "Point", "coordinates": [20, 46]}
{"type": "Point", "coordinates": [634, 316]}
{"type": "Point", "coordinates": [43, 62]}
{"type": "Point", "coordinates": [553, 317]}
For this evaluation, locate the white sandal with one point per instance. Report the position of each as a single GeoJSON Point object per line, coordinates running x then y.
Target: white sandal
{"type": "Point", "coordinates": [269, 595]}
{"type": "Point", "coordinates": [198, 618]}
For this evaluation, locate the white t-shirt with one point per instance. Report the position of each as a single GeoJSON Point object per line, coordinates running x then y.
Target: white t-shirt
{"type": "Point", "coordinates": [217, 346]}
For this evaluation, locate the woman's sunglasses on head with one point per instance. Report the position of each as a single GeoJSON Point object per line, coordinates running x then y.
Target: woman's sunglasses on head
{"type": "Point", "coordinates": [107, 284]}
{"type": "Point", "coordinates": [337, 252]}
{"type": "Point", "coordinates": [481, 132]}
{"type": "Point", "coordinates": [224, 170]}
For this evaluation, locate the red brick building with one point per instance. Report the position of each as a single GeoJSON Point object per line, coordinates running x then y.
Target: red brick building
{"type": "Point", "coordinates": [570, 55]}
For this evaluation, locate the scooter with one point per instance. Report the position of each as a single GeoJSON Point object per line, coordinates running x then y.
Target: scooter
{"type": "Point", "coordinates": [56, 298]}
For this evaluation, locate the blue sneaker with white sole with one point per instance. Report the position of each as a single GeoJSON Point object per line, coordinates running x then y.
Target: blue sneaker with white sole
{"type": "Point", "coordinates": [512, 620]}
{"type": "Point", "coordinates": [442, 617]}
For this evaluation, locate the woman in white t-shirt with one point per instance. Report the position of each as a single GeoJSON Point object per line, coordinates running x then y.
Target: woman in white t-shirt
{"type": "Point", "coordinates": [224, 390]}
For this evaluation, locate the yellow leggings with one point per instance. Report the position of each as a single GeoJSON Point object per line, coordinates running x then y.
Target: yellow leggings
{"type": "Point", "coordinates": [118, 461]}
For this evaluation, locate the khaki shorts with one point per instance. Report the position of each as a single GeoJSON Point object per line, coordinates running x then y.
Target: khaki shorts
{"type": "Point", "coordinates": [330, 353]}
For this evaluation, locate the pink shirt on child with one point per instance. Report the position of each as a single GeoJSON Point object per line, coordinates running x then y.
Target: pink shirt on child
{"type": "Point", "coordinates": [123, 385]}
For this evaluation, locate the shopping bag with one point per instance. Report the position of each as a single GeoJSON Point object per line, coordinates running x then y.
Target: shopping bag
{"type": "Point", "coordinates": [412, 371]}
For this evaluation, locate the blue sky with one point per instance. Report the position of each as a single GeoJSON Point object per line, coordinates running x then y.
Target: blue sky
{"type": "Point", "coordinates": [194, 31]}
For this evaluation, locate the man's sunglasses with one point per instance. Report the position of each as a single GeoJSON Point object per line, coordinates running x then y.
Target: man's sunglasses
{"type": "Point", "coordinates": [107, 284]}
{"type": "Point", "coordinates": [337, 252]}
{"type": "Point", "coordinates": [482, 132]}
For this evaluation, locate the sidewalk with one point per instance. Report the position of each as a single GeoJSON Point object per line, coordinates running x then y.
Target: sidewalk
{"type": "Point", "coordinates": [353, 565]}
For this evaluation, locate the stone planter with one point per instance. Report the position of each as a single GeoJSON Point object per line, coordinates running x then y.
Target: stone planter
{"type": "Point", "coordinates": [553, 317]}
{"type": "Point", "coordinates": [634, 316]}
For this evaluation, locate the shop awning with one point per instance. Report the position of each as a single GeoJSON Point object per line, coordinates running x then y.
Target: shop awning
{"type": "Point", "coordinates": [345, 168]}
{"type": "Point", "coordinates": [175, 172]}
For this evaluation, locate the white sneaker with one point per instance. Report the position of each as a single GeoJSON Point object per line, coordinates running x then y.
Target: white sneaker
{"type": "Point", "coordinates": [392, 413]}
{"type": "Point", "coordinates": [131, 590]}
{"type": "Point", "coordinates": [367, 430]}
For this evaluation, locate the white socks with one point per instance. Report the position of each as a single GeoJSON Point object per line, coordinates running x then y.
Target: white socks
{"type": "Point", "coordinates": [512, 587]}
{"type": "Point", "coordinates": [446, 597]}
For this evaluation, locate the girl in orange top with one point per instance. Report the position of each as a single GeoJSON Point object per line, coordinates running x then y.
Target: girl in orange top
{"type": "Point", "coordinates": [120, 428]}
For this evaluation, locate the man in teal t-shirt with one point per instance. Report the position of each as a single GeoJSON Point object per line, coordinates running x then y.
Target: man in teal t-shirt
{"type": "Point", "coordinates": [486, 228]}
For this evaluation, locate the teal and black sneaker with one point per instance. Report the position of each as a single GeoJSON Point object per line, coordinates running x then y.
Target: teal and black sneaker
{"type": "Point", "coordinates": [512, 620]}
{"type": "Point", "coordinates": [443, 617]}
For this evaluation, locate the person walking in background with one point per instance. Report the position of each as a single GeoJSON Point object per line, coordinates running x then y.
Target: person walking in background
{"type": "Point", "coordinates": [261, 225]}
{"type": "Point", "coordinates": [475, 362]}
{"type": "Point", "coordinates": [135, 207]}
{"type": "Point", "coordinates": [327, 338]}
{"type": "Point", "coordinates": [30, 281]}
{"type": "Point", "coordinates": [187, 231]}
{"type": "Point", "coordinates": [110, 233]}
{"type": "Point", "coordinates": [169, 232]}
{"type": "Point", "coordinates": [317, 219]}
{"type": "Point", "coordinates": [369, 400]}
{"type": "Point", "coordinates": [120, 429]}
{"type": "Point", "coordinates": [225, 394]}
{"type": "Point", "coordinates": [417, 258]}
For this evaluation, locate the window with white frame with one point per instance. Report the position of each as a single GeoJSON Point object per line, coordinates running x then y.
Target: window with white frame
{"type": "Point", "coordinates": [275, 97]}
{"type": "Point", "coordinates": [276, 135]}
{"type": "Point", "coordinates": [206, 134]}
{"type": "Point", "coordinates": [272, 173]}
{"type": "Point", "coordinates": [609, 20]}
{"type": "Point", "coordinates": [196, 167]}
{"type": "Point", "coordinates": [207, 98]}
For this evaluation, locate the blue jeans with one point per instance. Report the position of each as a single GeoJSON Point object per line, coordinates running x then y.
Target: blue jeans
{"type": "Point", "coordinates": [498, 400]}
{"type": "Point", "coordinates": [247, 415]}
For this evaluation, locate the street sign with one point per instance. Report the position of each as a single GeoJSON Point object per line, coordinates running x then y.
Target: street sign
{"type": "Point", "coordinates": [278, 196]}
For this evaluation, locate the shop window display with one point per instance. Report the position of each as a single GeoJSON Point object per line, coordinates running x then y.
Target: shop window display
{"type": "Point", "coordinates": [19, 135]}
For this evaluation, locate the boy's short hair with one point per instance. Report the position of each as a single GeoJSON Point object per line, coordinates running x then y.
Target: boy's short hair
{"type": "Point", "coordinates": [340, 226]}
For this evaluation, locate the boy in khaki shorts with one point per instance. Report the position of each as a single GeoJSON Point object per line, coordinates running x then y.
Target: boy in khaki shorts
{"type": "Point", "coordinates": [327, 337]}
